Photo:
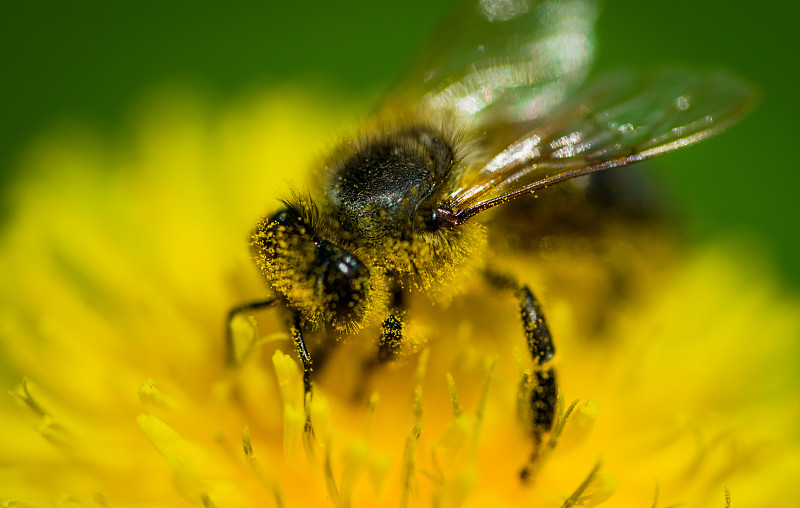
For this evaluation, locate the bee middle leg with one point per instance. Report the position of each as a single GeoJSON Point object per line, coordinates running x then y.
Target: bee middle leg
{"type": "Point", "coordinates": [296, 333]}
{"type": "Point", "coordinates": [539, 410]}
{"type": "Point", "coordinates": [390, 340]}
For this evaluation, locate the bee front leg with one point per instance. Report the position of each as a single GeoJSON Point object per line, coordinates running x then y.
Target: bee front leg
{"type": "Point", "coordinates": [302, 352]}
{"type": "Point", "coordinates": [296, 332]}
{"type": "Point", "coordinates": [539, 390]}
{"type": "Point", "coordinates": [230, 347]}
{"type": "Point", "coordinates": [305, 358]}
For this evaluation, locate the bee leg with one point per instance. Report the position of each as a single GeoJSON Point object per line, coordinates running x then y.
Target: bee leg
{"type": "Point", "coordinates": [389, 342]}
{"type": "Point", "coordinates": [296, 332]}
{"type": "Point", "coordinates": [297, 339]}
{"type": "Point", "coordinates": [230, 350]}
{"type": "Point", "coordinates": [540, 389]}
{"type": "Point", "coordinates": [391, 330]}
{"type": "Point", "coordinates": [302, 352]}
{"type": "Point", "coordinates": [543, 396]}
{"type": "Point", "coordinates": [391, 338]}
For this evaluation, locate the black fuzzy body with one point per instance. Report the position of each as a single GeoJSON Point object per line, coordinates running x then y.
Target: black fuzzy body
{"type": "Point", "coordinates": [390, 184]}
{"type": "Point", "coordinates": [369, 229]}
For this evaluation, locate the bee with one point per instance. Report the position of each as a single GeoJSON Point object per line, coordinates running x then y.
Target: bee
{"type": "Point", "coordinates": [490, 113]}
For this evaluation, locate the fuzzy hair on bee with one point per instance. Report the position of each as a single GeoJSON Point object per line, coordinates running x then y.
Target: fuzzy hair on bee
{"type": "Point", "coordinates": [491, 112]}
{"type": "Point", "coordinates": [331, 255]}
{"type": "Point", "coordinates": [386, 183]}
{"type": "Point", "coordinates": [330, 284]}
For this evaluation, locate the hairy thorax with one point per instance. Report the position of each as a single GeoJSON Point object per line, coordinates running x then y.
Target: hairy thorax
{"type": "Point", "coordinates": [383, 190]}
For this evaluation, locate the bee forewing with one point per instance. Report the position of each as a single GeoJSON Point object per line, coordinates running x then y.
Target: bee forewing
{"type": "Point", "coordinates": [500, 61]}
{"type": "Point", "coordinates": [619, 119]}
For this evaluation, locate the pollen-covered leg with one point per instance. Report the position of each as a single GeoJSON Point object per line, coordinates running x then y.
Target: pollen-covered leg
{"type": "Point", "coordinates": [391, 338]}
{"type": "Point", "coordinates": [543, 389]}
{"type": "Point", "coordinates": [305, 357]}
{"type": "Point", "coordinates": [302, 352]}
{"type": "Point", "coordinates": [537, 333]}
{"type": "Point", "coordinates": [389, 343]}
{"type": "Point", "coordinates": [296, 332]}
{"type": "Point", "coordinates": [538, 399]}
{"type": "Point", "coordinates": [538, 395]}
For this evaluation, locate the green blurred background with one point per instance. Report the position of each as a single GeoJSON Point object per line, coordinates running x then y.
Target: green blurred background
{"type": "Point", "coordinates": [93, 61]}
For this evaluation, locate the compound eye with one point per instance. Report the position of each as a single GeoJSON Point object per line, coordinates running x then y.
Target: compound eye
{"type": "Point", "coordinates": [348, 267]}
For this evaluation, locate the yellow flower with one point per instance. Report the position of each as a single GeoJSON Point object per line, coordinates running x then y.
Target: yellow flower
{"type": "Point", "coordinates": [119, 266]}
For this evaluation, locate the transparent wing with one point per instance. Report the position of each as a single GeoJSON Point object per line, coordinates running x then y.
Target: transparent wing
{"type": "Point", "coordinates": [620, 119]}
{"type": "Point", "coordinates": [500, 61]}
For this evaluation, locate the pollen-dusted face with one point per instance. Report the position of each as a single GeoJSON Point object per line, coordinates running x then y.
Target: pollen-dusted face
{"type": "Point", "coordinates": [323, 281]}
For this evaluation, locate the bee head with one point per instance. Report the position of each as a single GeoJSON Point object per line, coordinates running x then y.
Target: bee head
{"type": "Point", "coordinates": [323, 281]}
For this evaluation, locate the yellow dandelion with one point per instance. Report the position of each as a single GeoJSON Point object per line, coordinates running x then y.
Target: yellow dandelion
{"type": "Point", "coordinates": [119, 267]}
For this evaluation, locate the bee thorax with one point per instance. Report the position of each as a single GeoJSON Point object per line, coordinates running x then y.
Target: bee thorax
{"type": "Point", "coordinates": [379, 184]}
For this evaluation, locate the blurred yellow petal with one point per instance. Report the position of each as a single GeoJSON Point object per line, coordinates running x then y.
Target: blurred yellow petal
{"type": "Point", "coordinates": [119, 266]}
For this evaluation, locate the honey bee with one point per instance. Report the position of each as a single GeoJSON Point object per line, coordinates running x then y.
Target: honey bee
{"type": "Point", "coordinates": [491, 112]}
